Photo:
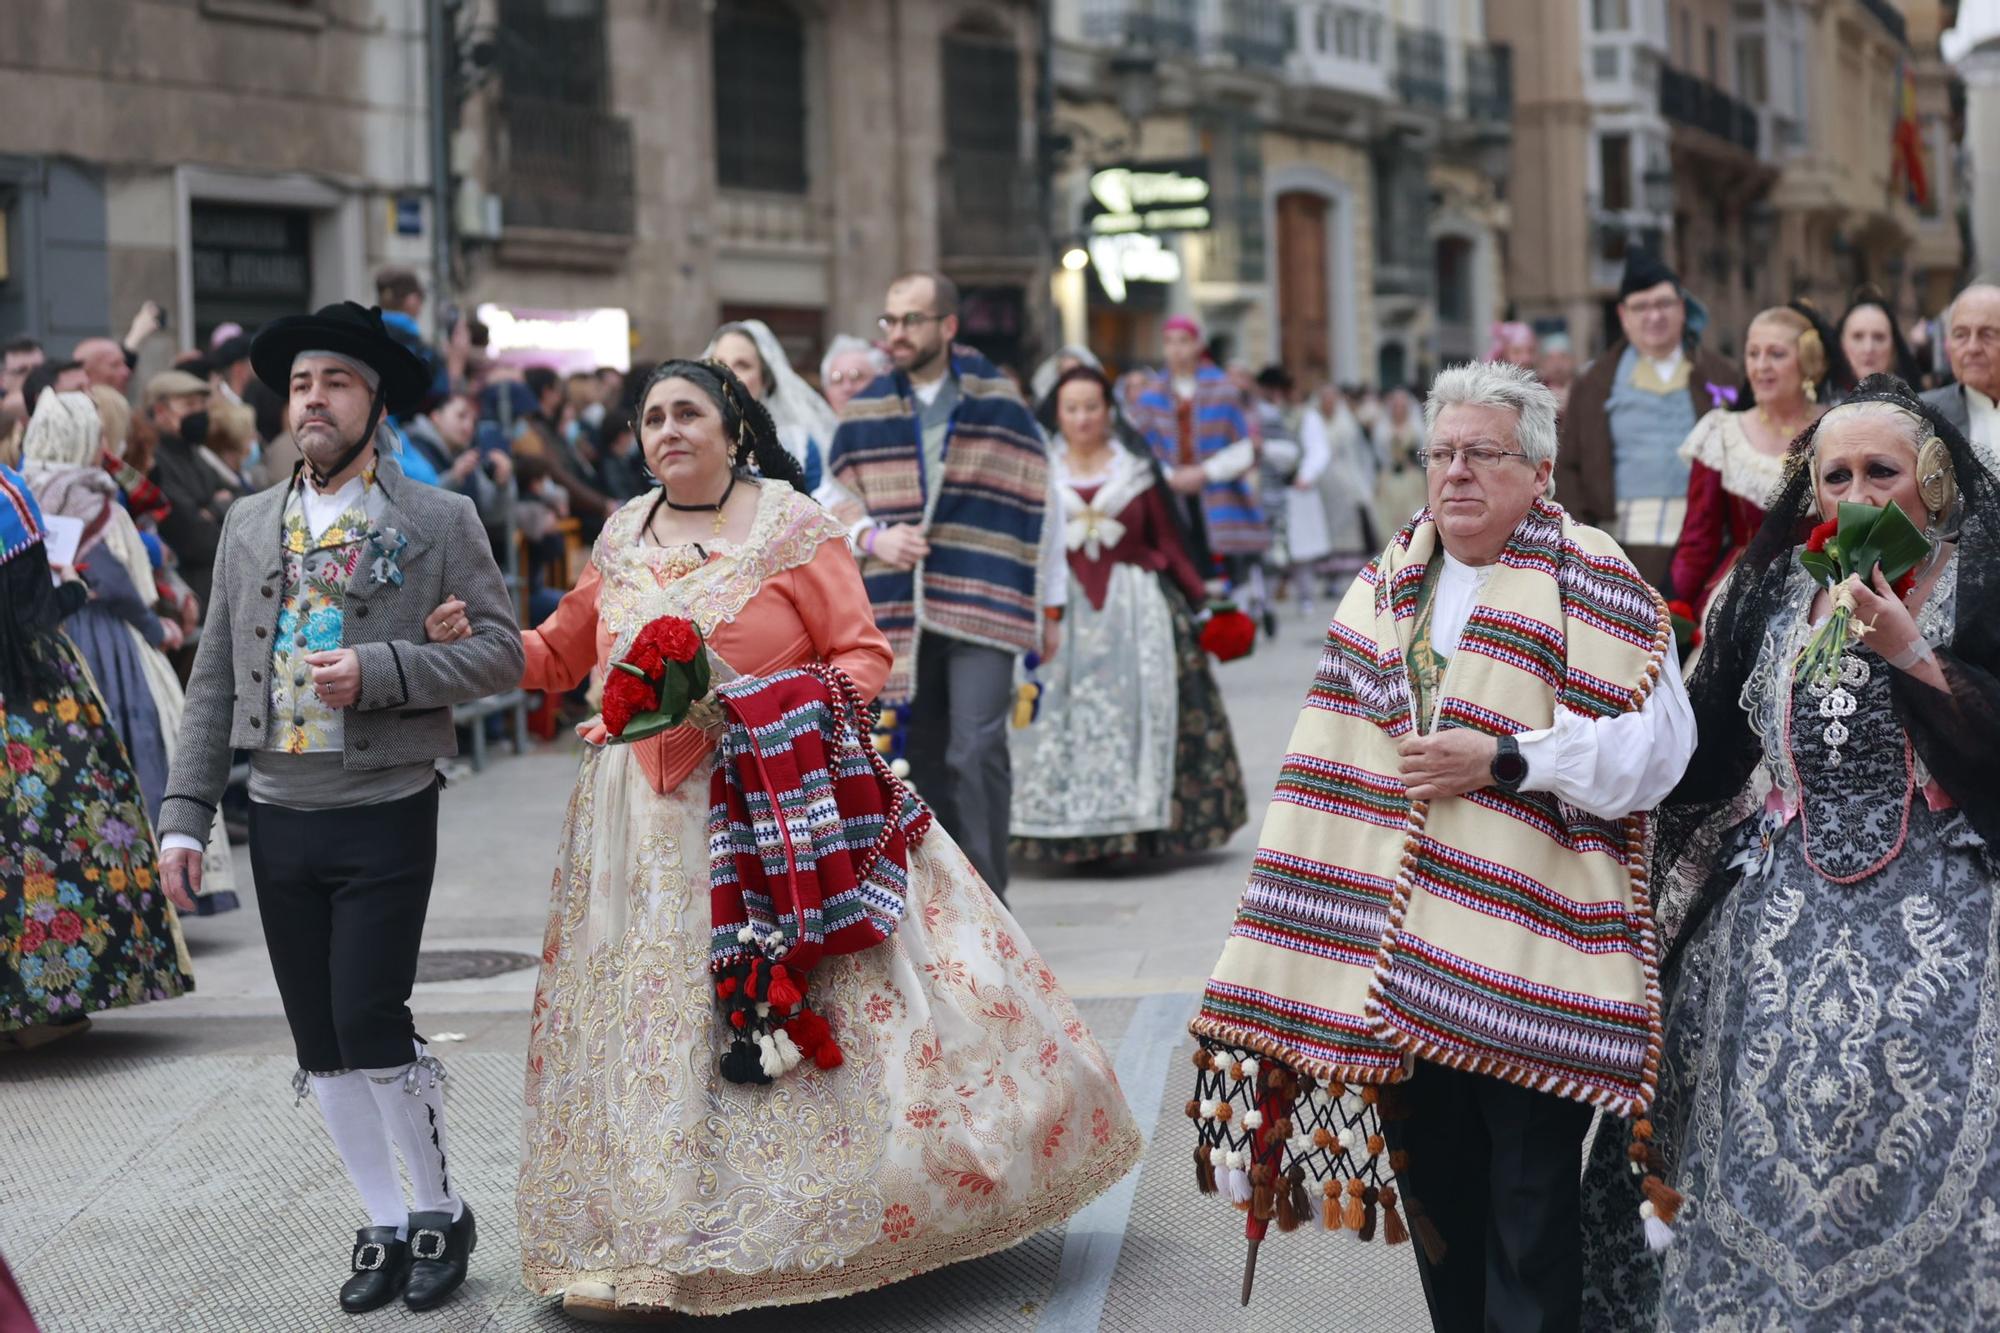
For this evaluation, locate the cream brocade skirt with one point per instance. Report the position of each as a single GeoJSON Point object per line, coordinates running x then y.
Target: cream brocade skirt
{"type": "Point", "coordinates": [974, 1107]}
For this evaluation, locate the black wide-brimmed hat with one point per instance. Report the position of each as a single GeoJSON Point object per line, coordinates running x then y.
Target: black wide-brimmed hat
{"type": "Point", "coordinates": [349, 330]}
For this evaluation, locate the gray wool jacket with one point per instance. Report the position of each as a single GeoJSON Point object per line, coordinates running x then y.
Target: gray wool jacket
{"type": "Point", "coordinates": [408, 684]}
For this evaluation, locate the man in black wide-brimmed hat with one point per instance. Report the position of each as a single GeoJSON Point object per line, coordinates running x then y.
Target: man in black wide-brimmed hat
{"type": "Point", "coordinates": [316, 658]}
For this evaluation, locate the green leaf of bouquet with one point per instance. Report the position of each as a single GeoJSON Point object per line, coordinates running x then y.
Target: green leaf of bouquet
{"type": "Point", "coordinates": [674, 695]}
{"type": "Point", "coordinates": [628, 667]}
{"type": "Point", "coordinates": [1820, 565]}
{"type": "Point", "coordinates": [1899, 545]}
{"type": "Point", "coordinates": [1859, 552]}
{"type": "Point", "coordinates": [644, 725]}
{"type": "Point", "coordinates": [698, 677]}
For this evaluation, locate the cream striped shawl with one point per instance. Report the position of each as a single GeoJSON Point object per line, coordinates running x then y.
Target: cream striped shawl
{"type": "Point", "coordinates": [1504, 933]}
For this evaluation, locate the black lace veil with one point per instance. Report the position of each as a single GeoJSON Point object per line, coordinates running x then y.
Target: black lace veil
{"type": "Point", "coordinates": [1955, 733]}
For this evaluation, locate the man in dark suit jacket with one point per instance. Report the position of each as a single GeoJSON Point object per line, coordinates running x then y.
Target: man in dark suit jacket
{"type": "Point", "coordinates": [1972, 343]}
{"type": "Point", "coordinates": [200, 493]}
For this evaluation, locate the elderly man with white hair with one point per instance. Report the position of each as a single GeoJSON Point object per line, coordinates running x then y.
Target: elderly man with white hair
{"type": "Point", "coordinates": [1445, 959]}
{"type": "Point", "coordinates": [323, 656]}
{"type": "Point", "coordinates": [850, 365]}
{"type": "Point", "coordinates": [1972, 345]}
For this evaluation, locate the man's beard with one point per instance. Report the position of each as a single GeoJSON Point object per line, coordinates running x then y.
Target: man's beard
{"type": "Point", "coordinates": [324, 447]}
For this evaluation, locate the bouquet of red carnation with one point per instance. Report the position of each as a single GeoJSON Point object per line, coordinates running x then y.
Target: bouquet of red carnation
{"type": "Point", "coordinates": [1229, 634]}
{"type": "Point", "coordinates": [1853, 543]}
{"type": "Point", "coordinates": [649, 689]}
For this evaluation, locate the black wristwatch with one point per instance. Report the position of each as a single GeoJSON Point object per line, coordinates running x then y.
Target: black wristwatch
{"type": "Point", "coordinates": [1510, 770]}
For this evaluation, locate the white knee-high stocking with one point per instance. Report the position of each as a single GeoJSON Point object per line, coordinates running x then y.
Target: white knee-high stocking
{"type": "Point", "coordinates": [355, 1123]}
{"type": "Point", "coordinates": [410, 1102]}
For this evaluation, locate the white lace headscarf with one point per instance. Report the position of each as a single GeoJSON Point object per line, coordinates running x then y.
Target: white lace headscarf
{"type": "Point", "coordinates": [1046, 374]}
{"type": "Point", "coordinates": [795, 406]}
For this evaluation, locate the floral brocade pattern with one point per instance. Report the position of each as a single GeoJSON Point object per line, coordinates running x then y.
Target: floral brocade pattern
{"type": "Point", "coordinates": [83, 924]}
{"type": "Point", "coordinates": [972, 1109]}
{"type": "Point", "coordinates": [1830, 1092]}
{"type": "Point", "coordinates": [311, 620]}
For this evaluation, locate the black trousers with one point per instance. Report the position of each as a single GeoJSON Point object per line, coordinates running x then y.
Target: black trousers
{"type": "Point", "coordinates": [343, 894]}
{"type": "Point", "coordinates": [1495, 1168]}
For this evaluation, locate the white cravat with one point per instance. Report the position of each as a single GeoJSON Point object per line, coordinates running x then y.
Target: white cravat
{"type": "Point", "coordinates": [1982, 422]}
{"type": "Point", "coordinates": [322, 509]}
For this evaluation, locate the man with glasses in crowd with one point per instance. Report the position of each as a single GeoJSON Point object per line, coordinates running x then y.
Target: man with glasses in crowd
{"type": "Point", "coordinates": [951, 498]}
{"type": "Point", "coordinates": [1629, 413]}
{"type": "Point", "coordinates": [1447, 769]}
{"type": "Point", "coordinates": [1972, 344]}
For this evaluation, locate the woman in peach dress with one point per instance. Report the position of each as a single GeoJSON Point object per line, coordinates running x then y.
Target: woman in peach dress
{"type": "Point", "coordinates": [973, 1107]}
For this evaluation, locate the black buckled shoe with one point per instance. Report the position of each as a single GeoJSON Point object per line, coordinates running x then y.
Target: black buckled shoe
{"type": "Point", "coordinates": [381, 1265]}
{"type": "Point", "coordinates": [440, 1249]}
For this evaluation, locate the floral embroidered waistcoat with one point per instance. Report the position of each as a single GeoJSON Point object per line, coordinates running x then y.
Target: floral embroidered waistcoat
{"type": "Point", "coordinates": [310, 620]}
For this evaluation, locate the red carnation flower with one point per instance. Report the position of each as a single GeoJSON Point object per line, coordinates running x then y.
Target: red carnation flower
{"type": "Point", "coordinates": [67, 927]}
{"type": "Point", "coordinates": [1901, 587]}
{"type": "Point", "coordinates": [1823, 534]}
{"type": "Point", "coordinates": [673, 637]}
{"type": "Point", "coordinates": [33, 936]}
{"type": "Point", "coordinates": [646, 656]}
{"type": "Point", "coordinates": [1229, 635]}
{"type": "Point", "coordinates": [1682, 609]}
{"type": "Point", "coordinates": [19, 757]}
{"type": "Point", "coordinates": [625, 696]}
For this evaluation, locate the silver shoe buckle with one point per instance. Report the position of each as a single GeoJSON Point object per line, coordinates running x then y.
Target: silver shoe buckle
{"type": "Point", "coordinates": [369, 1257]}
{"type": "Point", "coordinates": [419, 1248]}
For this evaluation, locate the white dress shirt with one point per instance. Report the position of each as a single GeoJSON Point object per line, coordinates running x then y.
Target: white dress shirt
{"type": "Point", "coordinates": [1982, 425]}
{"type": "Point", "coordinates": [1608, 766]}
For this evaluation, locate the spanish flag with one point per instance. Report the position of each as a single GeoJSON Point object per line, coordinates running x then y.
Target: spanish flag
{"type": "Point", "coordinates": [1909, 156]}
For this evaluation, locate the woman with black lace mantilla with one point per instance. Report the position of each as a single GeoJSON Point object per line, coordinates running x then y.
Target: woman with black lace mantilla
{"type": "Point", "coordinates": [1827, 883]}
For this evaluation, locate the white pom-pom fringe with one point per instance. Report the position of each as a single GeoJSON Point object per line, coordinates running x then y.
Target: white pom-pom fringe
{"type": "Point", "coordinates": [1207, 1108]}
{"type": "Point", "coordinates": [746, 935]}
{"type": "Point", "coordinates": [1239, 1186]}
{"type": "Point", "coordinates": [900, 767]}
{"type": "Point", "coordinates": [1253, 1120]}
{"type": "Point", "coordinates": [1658, 1234]}
{"type": "Point", "coordinates": [767, 1057]}
{"type": "Point", "coordinates": [1250, 1068]}
{"type": "Point", "coordinates": [788, 1050]}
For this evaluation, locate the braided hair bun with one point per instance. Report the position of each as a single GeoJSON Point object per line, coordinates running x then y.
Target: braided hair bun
{"type": "Point", "coordinates": [754, 448]}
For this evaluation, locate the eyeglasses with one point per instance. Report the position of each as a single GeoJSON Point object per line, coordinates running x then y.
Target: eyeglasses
{"type": "Point", "coordinates": [1657, 306]}
{"type": "Point", "coordinates": [850, 377]}
{"type": "Point", "coordinates": [1479, 457]}
{"type": "Point", "coordinates": [909, 322]}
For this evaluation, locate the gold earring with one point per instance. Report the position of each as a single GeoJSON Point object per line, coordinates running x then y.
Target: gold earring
{"type": "Point", "coordinates": [1937, 483]}
{"type": "Point", "coordinates": [1812, 393]}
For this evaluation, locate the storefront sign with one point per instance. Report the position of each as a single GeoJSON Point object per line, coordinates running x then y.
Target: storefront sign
{"type": "Point", "coordinates": [1149, 197]}
{"type": "Point", "coordinates": [1133, 257]}
{"type": "Point", "coordinates": [564, 340]}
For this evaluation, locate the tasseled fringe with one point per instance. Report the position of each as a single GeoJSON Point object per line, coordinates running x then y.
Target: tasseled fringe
{"type": "Point", "coordinates": [1329, 1205]}
{"type": "Point", "coordinates": [1263, 1197]}
{"type": "Point", "coordinates": [1204, 1170]}
{"type": "Point", "coordinates": [1300, 1203]}
{"type": "Point", "coordinates": [1238, 1184]}
{"type": "Point", "coordinates": [1356, 1215]}
{"type": "Point", "coordinates": [1425, 1231]}
{"type": "Point", "coordinates": [1393, 1230]}
{"type": "Point", "coordinates": [1369, 1197]}
{"type": "Point", "coordinates": [1662, 1205]}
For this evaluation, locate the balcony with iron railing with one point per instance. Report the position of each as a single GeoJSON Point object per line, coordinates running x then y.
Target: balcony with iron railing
{"type": "Point", "coordinates": [1421, 76]}
{"type": "Point", "coordinates": [987, 206]}
{"type": "Point", "coordinates": [1489, 84]}
{"type": "Point", "coordinates": [1687, 100]}
{"type": "Point", "coordinates": [564, 168]}
{"type": "Point", "coordinates": [1253, 34]}
{"type": "Point", "coordinates": [1161, 27]}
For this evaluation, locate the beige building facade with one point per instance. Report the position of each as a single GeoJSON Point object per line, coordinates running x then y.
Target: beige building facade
{"type": "Point", "coordinates": [231, 159]}
{"type": "Point", "coordinates": [1753, 144]}
{"type": "Point", "coordinates": [777, 159]}
{"type": "Point", "coordinates": [1353, 152]}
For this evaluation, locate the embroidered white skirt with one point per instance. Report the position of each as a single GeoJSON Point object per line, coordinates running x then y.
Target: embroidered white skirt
{"type": "Point", "coordinates": [973, 1109]}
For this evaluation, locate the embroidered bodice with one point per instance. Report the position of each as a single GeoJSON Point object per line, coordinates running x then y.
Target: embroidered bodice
{"type": "Point", "coordinates": [1835, 753]}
